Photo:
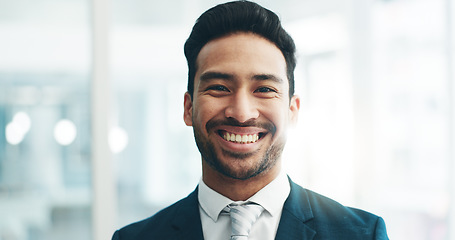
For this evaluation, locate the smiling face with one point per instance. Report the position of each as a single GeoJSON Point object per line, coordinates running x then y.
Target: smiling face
{"type": "Point", "coordinates": [241, 107]}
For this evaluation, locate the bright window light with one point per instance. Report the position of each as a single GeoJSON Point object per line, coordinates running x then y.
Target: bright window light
{"type": "Point", "coordinates": [17, 129]}
{"type": "Point", "coordinates": [65, 132]}
{"type": "Point", "coordinates": [23, 120]}
{"type": "Point", "coordinates": [118, 139]}
{"type": "Point", "coordinates": [14, 133]}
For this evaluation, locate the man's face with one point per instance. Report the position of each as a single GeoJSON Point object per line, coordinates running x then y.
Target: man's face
{"type": "Point", "coordinates": [240, 109]}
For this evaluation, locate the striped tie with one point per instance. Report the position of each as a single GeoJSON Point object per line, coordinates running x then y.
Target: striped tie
{"type": "Point", "coordinates": [242, 218]}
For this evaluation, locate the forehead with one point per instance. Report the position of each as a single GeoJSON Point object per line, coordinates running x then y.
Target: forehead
{"type": "Point", "coordinates": [241, 54]}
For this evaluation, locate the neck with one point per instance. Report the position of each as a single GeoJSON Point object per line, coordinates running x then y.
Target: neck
{"type": "Point", "coordinates": [236, 189]}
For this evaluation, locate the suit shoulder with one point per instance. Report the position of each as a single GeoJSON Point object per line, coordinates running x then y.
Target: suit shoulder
{"type": "Point", "coordinates": [329, 217]}
{"type": "Point", "coordinates": [324, 206]}
{"type": "Point", "coordinates": [156, 225]}
{"type": "Point", "coordinates": [156, 221]}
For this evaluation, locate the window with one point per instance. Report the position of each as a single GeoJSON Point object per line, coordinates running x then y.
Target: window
{"type": "Point", "coordinates": [45, 186]}
{"type": "Point", "coordinates": [375, 129]}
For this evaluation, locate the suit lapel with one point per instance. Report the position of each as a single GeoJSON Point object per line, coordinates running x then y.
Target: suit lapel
{"type": "Point", "coordinates": [295, 222]}
{"type": "Point", "coordinates": [187, 221]}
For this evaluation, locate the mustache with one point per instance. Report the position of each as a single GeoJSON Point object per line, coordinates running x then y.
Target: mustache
{"type": "Point", "coordinates": [235, 123]}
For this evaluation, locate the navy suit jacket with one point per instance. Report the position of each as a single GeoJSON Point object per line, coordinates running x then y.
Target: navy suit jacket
{"type": "Point", "coordinates": [306, 215]}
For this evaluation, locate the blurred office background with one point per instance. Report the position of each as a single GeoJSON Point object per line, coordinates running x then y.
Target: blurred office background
{"type": "Point", "coordinates": [91, 104]}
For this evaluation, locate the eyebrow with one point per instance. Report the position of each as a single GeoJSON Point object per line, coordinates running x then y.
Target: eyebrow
{"type": "Point", "coordinates": [215, 75]}
{"type": "Point", "coordinates": [262, 77]}
{"type": "Point", "coordinates": [226, 76]}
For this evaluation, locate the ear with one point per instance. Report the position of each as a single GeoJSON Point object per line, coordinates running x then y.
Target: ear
{"type": "Point", "coordinates": [188, 110]}
{"type": "Point", "coordinates": [294, 107]}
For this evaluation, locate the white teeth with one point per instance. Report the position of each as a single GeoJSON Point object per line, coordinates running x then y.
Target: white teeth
{"type": "Point", "coordinates": [241, 138]}
{"type": "Point", "coordinates": [244, 138]}
{"type": "Point", "coordinates": [232, 137]}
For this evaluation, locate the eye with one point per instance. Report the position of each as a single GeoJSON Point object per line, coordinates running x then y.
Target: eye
{"type": "Point", "coordinates": [265, 90]}
{"type": "Point", "coordinates": [220, 88]}
{"type": "Point", "coordinates": [217, 90]}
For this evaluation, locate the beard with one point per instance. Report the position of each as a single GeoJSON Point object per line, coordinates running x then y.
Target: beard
{"type": "Point", "coordinates": [260, 165]}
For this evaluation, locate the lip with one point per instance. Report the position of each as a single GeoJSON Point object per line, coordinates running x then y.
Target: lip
{"type": "Point", "coordinates": [241, 130]}
{"type": "Point", "coordinates": [240, 147]}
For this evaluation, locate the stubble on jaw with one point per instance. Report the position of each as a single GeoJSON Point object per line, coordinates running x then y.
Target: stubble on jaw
{"type": "Point", "coordinates": [264, 164]}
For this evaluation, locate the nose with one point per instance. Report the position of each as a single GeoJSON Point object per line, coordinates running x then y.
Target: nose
{"type": "Point", "coordinates": [242, 107]}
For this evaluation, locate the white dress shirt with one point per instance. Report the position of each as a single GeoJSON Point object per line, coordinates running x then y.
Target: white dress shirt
{"type": "Point", "coordinates": [217, 225]}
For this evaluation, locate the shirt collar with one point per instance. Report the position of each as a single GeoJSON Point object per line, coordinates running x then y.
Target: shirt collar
{"type": "Point", "coordinates": [210, 201]}
{"type": "Point", "coordinates": [271, 197]}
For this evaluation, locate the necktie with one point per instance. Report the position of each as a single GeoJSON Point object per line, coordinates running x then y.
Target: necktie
{"type": "Point", "coordinates": [242, 218]}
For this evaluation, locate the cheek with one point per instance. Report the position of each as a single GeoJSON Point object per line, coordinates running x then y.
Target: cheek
{"type": "Point", "coordinates": [205, 111]}
{"type": "Point", "coordinates": [278, 114]}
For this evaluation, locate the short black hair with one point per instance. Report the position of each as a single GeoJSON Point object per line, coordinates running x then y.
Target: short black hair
{"type": "Point", "coordinates": [233, 17]}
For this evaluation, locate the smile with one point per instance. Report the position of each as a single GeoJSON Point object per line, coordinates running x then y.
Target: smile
{"type": "Point", "coordinates": [238, 138]}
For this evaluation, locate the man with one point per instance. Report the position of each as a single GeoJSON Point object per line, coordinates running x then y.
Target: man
{"type": "Point", "coordinates": [240, 103]}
